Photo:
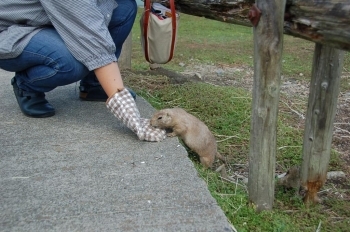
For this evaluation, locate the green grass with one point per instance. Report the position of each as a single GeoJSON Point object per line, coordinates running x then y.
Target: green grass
{"type": "Point", "coordinates": [227, 110]}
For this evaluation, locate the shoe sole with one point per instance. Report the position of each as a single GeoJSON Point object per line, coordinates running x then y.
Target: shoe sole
{"type": "Point", "coordinates": [40, 116]}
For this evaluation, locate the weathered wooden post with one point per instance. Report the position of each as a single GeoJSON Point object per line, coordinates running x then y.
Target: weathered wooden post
{"type": "Point", "coordinates": [124, 60]}
{"type": "Point", "coordinates": [268, 44]}
{"type": "Point", "coordinates": [322, 105]}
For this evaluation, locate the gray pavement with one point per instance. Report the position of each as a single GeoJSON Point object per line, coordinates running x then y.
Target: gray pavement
{"type": "Point", "coordinates": [83, 170]}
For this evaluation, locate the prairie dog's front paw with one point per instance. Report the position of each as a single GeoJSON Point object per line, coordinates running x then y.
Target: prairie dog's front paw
{"type": "Point", "coordinates": [172, 134]}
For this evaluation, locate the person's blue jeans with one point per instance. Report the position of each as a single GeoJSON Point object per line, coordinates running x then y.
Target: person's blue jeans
{"type": "Point", "coordinates": [46, 63]}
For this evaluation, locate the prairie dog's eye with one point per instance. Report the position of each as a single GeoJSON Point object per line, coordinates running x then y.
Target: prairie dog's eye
{"type": "Point", "coordinates": [160, 117]}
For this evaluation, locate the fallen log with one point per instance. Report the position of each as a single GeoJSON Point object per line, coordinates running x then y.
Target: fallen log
{"type": "Point", "coordinates": [326, 22]}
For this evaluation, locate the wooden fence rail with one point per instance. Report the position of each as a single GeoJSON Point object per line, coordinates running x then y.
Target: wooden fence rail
{"type": "Point", "coordinates": [326, 22]}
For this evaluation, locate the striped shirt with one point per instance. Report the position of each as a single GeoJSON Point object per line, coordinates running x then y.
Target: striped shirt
{"type": "Point", "coordinates": [82, 24]}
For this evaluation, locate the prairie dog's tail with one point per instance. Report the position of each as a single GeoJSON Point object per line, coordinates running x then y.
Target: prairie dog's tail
{"type": "Point", "coordinates": [220, 157]}
{"type": "Point", "coordinates": [222, 168]}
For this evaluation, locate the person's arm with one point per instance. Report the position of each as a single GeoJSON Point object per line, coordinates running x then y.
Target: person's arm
{"type": "Point", "coordinates": [110, 78]}
{"type": "Point", "coordinates": [83, 26]}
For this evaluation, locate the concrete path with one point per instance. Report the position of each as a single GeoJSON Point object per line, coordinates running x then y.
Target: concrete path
{"type": "Point", "coordinates": [82, 170]}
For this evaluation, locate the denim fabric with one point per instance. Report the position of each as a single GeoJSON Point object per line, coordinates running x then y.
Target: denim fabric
{"type": "Point", "coordinates": [46, 63]}
{"type": "Point", "coordinates": [82, 24]}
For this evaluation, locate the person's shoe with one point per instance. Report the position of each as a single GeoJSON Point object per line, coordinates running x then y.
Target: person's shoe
{"type": "Point", "coordinates": [32, 104]}
{"type": "Point", "coordinates": [96, 93]}
{"type": "Point", "coordinates": [92, 93]}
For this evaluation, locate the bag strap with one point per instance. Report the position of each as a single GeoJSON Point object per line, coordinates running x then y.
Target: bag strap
{"type": "Point", "coordinates": [147, 10]}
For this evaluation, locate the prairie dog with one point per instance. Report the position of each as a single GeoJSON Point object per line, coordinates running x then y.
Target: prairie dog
{"type": "Point", "coordinates": [191, 130]}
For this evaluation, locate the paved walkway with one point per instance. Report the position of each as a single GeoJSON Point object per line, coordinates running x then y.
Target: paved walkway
{"type": "Point", "coordinates": [82, 170]}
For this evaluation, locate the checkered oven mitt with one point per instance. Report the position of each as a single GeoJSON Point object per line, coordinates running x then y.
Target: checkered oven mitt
{"type": "Point", "coordinates": [123, 106]}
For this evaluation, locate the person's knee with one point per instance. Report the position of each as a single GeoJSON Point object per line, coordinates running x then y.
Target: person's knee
{"type": "Point", "coordinates": [133, 7]}
{"type": "Point", "coordinates": [128, 8]}
{"type": "Point", "coordinates": [130, 4]}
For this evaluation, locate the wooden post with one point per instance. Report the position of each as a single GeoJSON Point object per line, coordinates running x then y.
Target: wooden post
{"type": "Point", "coordinates": [322, 105]}
{"type": "Point", "coordinates": [268, 43]}
{"type": "Point", "coordinates": [124, 60]}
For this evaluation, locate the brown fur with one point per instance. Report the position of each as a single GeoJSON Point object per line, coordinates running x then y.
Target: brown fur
{"type": "Point", "coordinates": [191, 130]}
{"type": "Point", "coordinates": [291, 179]}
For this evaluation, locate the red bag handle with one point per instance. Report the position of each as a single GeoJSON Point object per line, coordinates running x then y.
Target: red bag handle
{"type": "Point", "coordinates": [147, 6]}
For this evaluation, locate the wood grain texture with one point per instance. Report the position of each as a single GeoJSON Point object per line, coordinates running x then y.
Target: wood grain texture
{"type": "Point", "coordinates": [326, 22]}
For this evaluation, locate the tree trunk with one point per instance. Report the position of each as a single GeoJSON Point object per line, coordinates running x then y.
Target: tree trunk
{"type": "Point", "coordinates": [325, 22]}
{"type": "Point", "coordinates": [268, 42]}
{"type": "Point", "coordinates": [322, 105]}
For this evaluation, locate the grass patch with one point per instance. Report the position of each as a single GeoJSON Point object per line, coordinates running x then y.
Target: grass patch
{"type": "Point", "coordinates": [227, 110]}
